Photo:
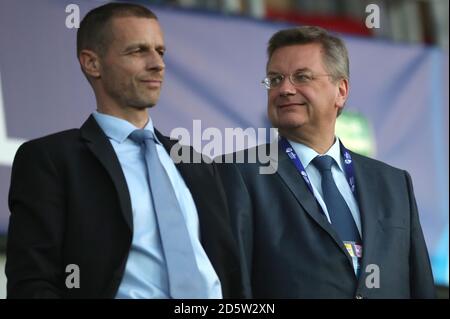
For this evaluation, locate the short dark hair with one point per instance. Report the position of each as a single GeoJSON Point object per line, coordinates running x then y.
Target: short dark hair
{"type": "Point", "coordinates": [335, 53]}
{"type": "Point", "coordinates": [94, 33]}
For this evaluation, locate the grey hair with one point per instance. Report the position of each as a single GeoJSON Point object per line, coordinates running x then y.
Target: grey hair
{"type": "Point", "coordinates": [335, 56]}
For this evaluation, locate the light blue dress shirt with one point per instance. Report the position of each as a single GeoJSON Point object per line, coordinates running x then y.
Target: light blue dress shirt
{"type": "Point", "coordinates": [145, 271]}
{"type": "Point", "coordinates": [306, 155]}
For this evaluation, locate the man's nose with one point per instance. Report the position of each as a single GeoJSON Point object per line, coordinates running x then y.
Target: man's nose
{"type": "Point", "coordinates": [155, 61]}
{"type": "Point", "coordinates": [286, 87]}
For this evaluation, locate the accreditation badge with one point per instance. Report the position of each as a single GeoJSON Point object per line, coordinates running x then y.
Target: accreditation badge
{"type": "Point", "coordinates": [349, 247]}
{"type": "Point", "coordinates": [355, 251]}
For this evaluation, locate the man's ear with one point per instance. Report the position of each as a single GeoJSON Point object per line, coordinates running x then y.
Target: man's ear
{"type": "Point", "coordinates": [90, 63]}
{"type": "Point", "coordinates": [342, 93]}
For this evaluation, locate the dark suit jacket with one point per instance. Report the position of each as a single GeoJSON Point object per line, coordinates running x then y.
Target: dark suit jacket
{"type": "Point", "coordinates": [289, 250]}
{"type": "Point", "coordinates": [70, 204]}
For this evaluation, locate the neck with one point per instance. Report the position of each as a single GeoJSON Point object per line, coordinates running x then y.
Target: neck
{"type": "Point", "coordinates": [321, 142]}
{"type": "Point", "coordinates": [137, 117]}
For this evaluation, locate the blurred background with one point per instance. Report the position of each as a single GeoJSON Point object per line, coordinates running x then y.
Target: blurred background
{"type": "Point", "coordinates": [397, 111]}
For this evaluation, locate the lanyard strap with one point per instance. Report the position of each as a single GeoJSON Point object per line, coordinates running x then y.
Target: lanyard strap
{"type": "Point", "coordinates": [353, 248]}
{"type": "Point", "coordinates": [348, 164]}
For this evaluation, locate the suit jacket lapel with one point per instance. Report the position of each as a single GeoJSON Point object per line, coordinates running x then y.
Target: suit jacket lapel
{"type": "Point", "coordinates": [185, 169]}
{"type": "Point", "coordinates": [165, 141]}
{"type": "Point", "coordinates": [191, 176]}
{"type": "Point", "coordinates": [98, 144]}
{"type": "Point", "coordinates": [215, 235]}
{"type": "Point", "coordinates": [288, 172]}
{"type": "Point", "coordinates": [367, 193]}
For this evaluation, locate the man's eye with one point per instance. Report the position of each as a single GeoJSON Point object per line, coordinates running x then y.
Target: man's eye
{"type": "Point", "coordinates": [302, 77]}
{"type": "Point", "coordinates": [276, 80]}
{"type": "Point", "coordinates": [161, 53]}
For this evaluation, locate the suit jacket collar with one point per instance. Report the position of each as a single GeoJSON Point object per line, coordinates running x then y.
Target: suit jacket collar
{"type": "Point", "coordinates": [291, 177]}
{"type": "Point", "coordinates": [98, 143]}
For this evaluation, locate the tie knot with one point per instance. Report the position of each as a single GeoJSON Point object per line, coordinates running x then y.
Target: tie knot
{"type": "Point", "coordinates": [139, 136]}
{"type": "Point", "coordinates": [323, 163]}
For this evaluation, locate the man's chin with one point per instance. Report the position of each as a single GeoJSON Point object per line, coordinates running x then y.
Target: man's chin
{"type": "Point", "coordinates": [290, 124]}
{"type": "Point", "coordinates": [143, 106]}
{"type": "Point", "coordinates": [144, 101]}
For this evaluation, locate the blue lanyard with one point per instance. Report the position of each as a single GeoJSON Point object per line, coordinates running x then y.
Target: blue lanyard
{"type": "Point", "coordinates": [348, 164]}
{"type": "Point", "coordinates": [354, 249]}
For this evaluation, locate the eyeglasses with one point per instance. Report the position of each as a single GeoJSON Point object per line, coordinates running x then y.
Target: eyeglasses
{"type": "Point", "coordinates": [297, 78]}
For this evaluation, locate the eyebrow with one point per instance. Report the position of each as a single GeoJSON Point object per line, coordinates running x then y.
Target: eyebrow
{"type": "Point", "coordinates": [143, 46]}
{"type": "Point", "coordinates": [297, 70]}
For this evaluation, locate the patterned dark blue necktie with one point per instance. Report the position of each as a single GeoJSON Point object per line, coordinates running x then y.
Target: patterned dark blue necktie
{"type": "Point", "coordinates": [185, 280]}
{"type": "Point", "coordinates": [340, 215]}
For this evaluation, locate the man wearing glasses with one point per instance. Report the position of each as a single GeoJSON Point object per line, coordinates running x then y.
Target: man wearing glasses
{"type": "Point", "coordinates": [329, 223]}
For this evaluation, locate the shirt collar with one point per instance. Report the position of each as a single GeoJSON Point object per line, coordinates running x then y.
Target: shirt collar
{"type": "Point", "coordinates": [116, 128]}
{"type": "Point", "coordinates": [307, 154]}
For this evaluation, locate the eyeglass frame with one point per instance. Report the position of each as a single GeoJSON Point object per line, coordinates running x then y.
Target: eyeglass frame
{"type": "Point", "coordinates": [264, 81]}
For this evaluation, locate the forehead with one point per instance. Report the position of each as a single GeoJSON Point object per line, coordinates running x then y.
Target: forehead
{"type": "Point", "coordinates": [136, 29]}
{"type": "Point", "coordinates": [297, 56]}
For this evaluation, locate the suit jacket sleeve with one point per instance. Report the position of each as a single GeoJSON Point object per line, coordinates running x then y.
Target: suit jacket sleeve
{"type": "Point", "coordinates": [421, 277]}
{"type": "Point", "coordinates": [36, 225]}
{"type": "Point", "coordinates": [240, 207]}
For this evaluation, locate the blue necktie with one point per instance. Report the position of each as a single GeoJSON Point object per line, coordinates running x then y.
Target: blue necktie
{"type": "Point", "coordinates": [185, 280]}
{"type": "Point", "coordinates": [340, 215]}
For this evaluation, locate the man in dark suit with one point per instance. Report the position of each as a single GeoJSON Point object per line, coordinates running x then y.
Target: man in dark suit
{"type": "Point", "coordinates": [328, 223]}
{"type": "Point", "coordinates": [90, 206]}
